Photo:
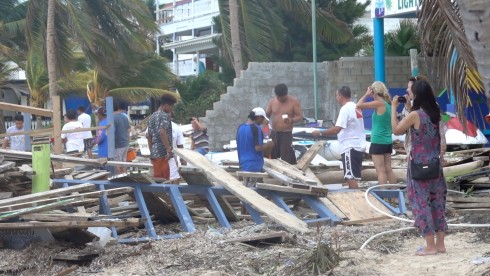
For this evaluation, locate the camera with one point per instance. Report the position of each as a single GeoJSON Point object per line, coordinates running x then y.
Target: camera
{"type": "Point", "coordinates": [402, 100]}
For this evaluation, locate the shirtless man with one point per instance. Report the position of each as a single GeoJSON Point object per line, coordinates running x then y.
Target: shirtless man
{"type": "Point", "coordinates": [283, 110]}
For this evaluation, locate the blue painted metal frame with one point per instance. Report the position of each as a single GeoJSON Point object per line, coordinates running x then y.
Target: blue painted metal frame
{"type": "Point", "coordinates": [175, 193]}
{"type": "Point", "coordinates": [104, 208]}
{"type": "Point", "coordinates": [398, 194]}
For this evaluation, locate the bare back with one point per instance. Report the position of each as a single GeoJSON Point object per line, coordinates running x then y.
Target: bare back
{"type": "Point", "coordinates": [290, 107]}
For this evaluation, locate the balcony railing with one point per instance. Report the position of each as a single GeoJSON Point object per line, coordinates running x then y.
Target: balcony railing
{"type": "Point", "coordinates": [185, 11]}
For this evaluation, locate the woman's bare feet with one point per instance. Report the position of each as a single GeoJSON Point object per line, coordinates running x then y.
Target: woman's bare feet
{"type": "Point", "coordinates": [422, 251]}
{"type": "Point", "coordinates": [441, 249]}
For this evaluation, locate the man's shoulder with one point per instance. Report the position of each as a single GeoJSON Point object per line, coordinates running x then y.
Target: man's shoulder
{"type": "Point", "coordinates": [12, 129]}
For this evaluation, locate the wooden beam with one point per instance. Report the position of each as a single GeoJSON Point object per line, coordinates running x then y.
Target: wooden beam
{"type": "Point", "coordinates": [289, 170]}
{"type": "Point", "coordinates": [273, 187]}
{"type": "Point", "coordinates": [26, 109]}
{"type": "Point", "coordinates": [132, 222]}
{"type": "Point", "coordinates": [59, 158]}
{"type": "Point", "coordinates": [305, 160]}
{"type": "Point", "coordinates": [49, 131]}
{"type": "Point", "coordinates": [47, 194]}
{"type": "Point", "coordinates": [247, 195]}
{"type": "Point", "coordinates": [47, 207]}
{"type": "Point", "coordinates": [96, 194]}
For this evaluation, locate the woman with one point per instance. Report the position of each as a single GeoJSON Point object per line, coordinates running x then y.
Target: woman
{"type": "Point", "coordinates": [427, 197]}
{"type": "Point", "coordinates": [381, 141]}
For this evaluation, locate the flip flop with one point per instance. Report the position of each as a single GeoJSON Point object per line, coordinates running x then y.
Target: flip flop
{"type": "Point", "coordinates": [421, 252]}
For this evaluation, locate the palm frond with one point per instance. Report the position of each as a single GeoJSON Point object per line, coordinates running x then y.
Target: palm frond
{"type": "Point", "coordinates": [445, 44]}
{"type": "Point", "coordinates": [138, 94]}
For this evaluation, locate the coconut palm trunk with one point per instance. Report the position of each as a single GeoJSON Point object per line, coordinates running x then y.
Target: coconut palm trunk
{"type": "Point", "coordinates": [235, 37]}
{"type": "Point", "coordinates": [476, 20]}
{"type": "Point", "coordinates": [52, 74]}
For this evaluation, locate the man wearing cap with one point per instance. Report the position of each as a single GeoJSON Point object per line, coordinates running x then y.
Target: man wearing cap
{"type": "Point", "coordinates": [250, 145]}
{"type": "Point", "coordinates": [284, 110]}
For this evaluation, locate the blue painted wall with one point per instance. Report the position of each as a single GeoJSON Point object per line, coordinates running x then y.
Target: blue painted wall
{"type": "Point", "coordinates": [73, 102]}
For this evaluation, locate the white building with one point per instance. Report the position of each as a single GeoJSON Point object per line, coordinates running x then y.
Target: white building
{"type": "Point", "coordinates": [186, 29]}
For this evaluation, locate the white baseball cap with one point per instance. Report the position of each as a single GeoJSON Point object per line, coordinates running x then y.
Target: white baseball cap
{"type": "Point", "coordinates": [259, 111]}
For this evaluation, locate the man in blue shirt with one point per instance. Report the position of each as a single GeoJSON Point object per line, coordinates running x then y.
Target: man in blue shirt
{"type": "Point", "coordinates": [101, 139]}
{"type": "Point", "coordinates": [250, 145]}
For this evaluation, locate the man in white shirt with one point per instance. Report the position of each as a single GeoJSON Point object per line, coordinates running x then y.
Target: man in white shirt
{"type": "Point", "coordinates": [17, 142]}
{"type": "Point", "coordinates": [352, 138]}
{"type": "Point", "coordinates": [86, 121]}
{"type": "Point", "coordinates": [73, 140]}
{"type": "Point", "coordinates": [177, 142]}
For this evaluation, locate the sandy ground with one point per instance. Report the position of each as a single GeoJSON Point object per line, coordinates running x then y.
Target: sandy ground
{"type": "Point", "coordinates": [204, 253]}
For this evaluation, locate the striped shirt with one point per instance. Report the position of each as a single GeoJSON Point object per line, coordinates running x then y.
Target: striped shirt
{"type": "Point", "coordinates": [159, 120]}
{"type": "Point", "coordinates": [200, 139]}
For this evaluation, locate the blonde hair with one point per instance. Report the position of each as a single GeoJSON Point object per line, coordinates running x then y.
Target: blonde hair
{"type": "Point", "coordinates": [380, 89]}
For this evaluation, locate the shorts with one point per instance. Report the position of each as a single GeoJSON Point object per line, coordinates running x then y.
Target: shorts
{"type": "Point", "coordinates": [380, 148]}
{"type": "Point", "coordinates": [352, 161]}
{"type": "Point", "coordinates": [202, 151]}
{"type": "Point", "coordinates": [174, 168]}
{"type": "Point", "coordinates": [161, 168]}
{"type": "Point", "coordinates": [88, 144]}
{"type": "Point", "coordinates": [283, 146]}
{"type": "Point", "coordinates": [121, 154]}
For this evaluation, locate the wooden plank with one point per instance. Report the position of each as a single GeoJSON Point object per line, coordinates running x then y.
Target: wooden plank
{"type": "Point", "coordinates": [275, 237]}
{"type": "Point", "coordinates": [75, 257]}
{"type": "Point", "coordinates": [288, 170]}
{"type": "Point", "coordinates": [6, 165]}
{"type": "Point", "coordinates": [54, 157]}
{"type": "Point", "coordinates": [468, 199]}
{"type": "Point", "coordinates": [97, 175]}
{"type": "Point", "coordinates": [305, 160]}
{"type": "Point", "coordinates": [112, 202]}
{"type": "Point", "coordinates": [333, 208]}
{"type": "Point", "coordinates": [58, 217]}
{"type": "Point", "coordinates": [364, 221]}
{"type": "Point", "coordinates": [131, 222]}
{"type": "Point", "coordinates": [48, 194]}
{"type": "Point", "coordinates": [5, 195]}
{"type": "Point", "coordinates": [196, 176]}
{"type": "Point", "coordinates": [27, 109]}
{"type": "Point", "coordinates": [470, 205]}
{"type": "Point", "coordinates": [94, 194]}
{"type": "Point", "coordinates": [251, 174]}
{"type": "Point", "coordinates": [247, 195]}
{"type": "Point", "coordinates": [50, 206]}
{"type": "Point", "coordinates": [353, 204]}
{"type": "Point", "coordinates": [271, 187]}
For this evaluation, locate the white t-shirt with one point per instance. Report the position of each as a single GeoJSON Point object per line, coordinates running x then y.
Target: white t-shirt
{"type": "Point", "coordinates": [352, 135]}
{"type": "Point", "coordinates": [177, 139]}
{"type": "Point", "coordinates": [86, 121]}
{"type": "Point", "coordinates": [17, 142]}
{"type": "Point", "coordinates": [75, 139]}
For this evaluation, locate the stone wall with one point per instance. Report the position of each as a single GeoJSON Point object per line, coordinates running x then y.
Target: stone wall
{"type": "Point", "coordinates": [255, 88]}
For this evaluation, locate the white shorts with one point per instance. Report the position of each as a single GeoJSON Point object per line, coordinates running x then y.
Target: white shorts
{"type": "Point", "coordinates": [174, 169]}
{"type": "Point", "coordinates": [121, 154]}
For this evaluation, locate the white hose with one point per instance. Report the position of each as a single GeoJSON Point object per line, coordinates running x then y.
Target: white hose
{"type": "Point", "coordinates": [403, 219]}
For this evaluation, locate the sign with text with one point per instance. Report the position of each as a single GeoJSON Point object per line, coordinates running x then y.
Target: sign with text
{"type": "Point", "coordinates": [385, 8]}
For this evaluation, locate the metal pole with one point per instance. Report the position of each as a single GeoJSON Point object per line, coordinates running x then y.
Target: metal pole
{"type": "Point", "coordinates": [313, 34]}
{"type": "Point", "coordinates": [379, 50]}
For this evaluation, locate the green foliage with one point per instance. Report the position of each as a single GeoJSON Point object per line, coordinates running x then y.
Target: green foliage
{"type": "Point", "coordinates": [399, 42]}
{"type": "Point", "coordinates": [198, 95]}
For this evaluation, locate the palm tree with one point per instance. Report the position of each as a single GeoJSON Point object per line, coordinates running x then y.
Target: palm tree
{"type": "Point", "coordinates": [108, 32]}
{"type": "Point", "coordinates": [399, 41]}
{"type": "Point", "coordinates": [254, 26]}
{"type": "Point", "coordinates": [443, 35]}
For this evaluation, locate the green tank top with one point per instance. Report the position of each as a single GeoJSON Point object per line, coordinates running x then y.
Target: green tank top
{"type": "Point", "coordinates": [381, 129]}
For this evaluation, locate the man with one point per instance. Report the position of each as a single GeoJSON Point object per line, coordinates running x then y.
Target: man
{"type": "Point", "coordinates": [177, 142]}
{"type": "Point", "coordinates": [284, 110]}
{"type": "Point", "coordinates": [199, 137]}
{"type": "Point", "coordinates": [17, 142]}
{"type": "Point", "coordinates": [121, 139]}
{"type": "Point", "coordinates": [350, 132]}
{"type": "Point", "coordinates": [249, 139]}
{"type": "Point", "coordinates": [160, 137]}
{"type": "Point", "coordinates": [74, 140]}
{"type": "Point", "coordinates": [86, 121]}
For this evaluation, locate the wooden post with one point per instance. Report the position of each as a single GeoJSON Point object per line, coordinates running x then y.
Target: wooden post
{"type": "Point", "coordinates": [56, 120]}
{"type": "Point", "coordinates": [111, 134]}
{"type": "Point", "coordinates": [27, 127]}
{"type": "Point", "coordinates": [414, 62]}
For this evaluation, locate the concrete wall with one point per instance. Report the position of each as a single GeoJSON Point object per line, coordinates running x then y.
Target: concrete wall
{"type": "Point", "coordinates": [255, 88]}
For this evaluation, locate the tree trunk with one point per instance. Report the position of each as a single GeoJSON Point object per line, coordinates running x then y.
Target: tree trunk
{"type": "Point", "coordinates": [476, 22]}
{"type": "Point", "coordinates": [236, 47]}
{"type": "Point", "coordinates": [52, 74]}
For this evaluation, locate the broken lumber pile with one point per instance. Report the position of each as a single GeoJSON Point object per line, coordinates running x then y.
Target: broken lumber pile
{"type": "Point", "coordinates": [468, 202]}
